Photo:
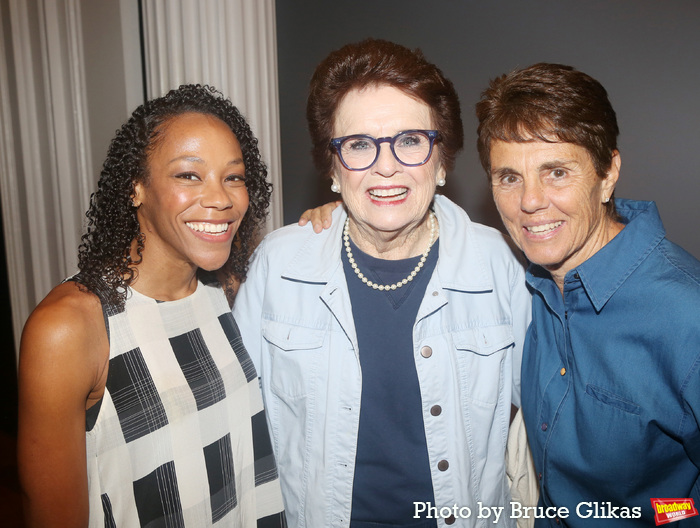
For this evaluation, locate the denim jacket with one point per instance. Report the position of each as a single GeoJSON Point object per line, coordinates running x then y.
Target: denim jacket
{"type": "Point", "coordinates": [296, 321]}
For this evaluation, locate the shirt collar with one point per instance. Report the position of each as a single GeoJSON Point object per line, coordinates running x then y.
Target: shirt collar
{"type": "Point", "coordinates": [460, 262]}
{"type": "Point", "coordinates": [603, 273]}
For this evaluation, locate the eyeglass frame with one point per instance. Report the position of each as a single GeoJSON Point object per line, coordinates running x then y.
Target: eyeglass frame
{"type": "Point", "coordinates": [433, 135]}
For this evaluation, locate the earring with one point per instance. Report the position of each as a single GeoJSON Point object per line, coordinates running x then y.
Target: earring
{"type": "Point", "coordinates": [441, 182]}
{"type": "Point", "coordinates": [335, 187]}
{"type": "Point", "coordinates": [606, 200]}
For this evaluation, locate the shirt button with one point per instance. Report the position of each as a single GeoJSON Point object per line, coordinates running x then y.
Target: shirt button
{"type": "Point", "coordinates": [539, 476]}
{"type": "Point", "coordinates": [435, 294]}
{"type": "Point", "coordinates": [556, 520]}
{"type": "Point", "coordinates": [436, 410]}
{"type": "Point", "coordinates": [450, 520]}
{"type": "Point", "coordinates": [426, 351]}
{"type": "Point", "coordinates": [577, 276]}
{"type": "Point", "coordinates": [562, 371]}
{"type": "Point", "coordinates": [544, 426]}
{"type": "Point", "coordinates": [443, 465]}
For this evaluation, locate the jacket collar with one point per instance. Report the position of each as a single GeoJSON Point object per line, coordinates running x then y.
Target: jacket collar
{"type": "Point", "coordinates": [318, 256]}
{"type": "Point", "coordinates": [461, 265]}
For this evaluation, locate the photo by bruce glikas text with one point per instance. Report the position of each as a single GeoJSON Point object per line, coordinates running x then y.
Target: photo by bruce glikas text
{"type": "Point", "coordinates": [584, 510]}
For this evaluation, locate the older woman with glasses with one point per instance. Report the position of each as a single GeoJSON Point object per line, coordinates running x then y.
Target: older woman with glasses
{"type": "Point", "coordinates": [389, 345]}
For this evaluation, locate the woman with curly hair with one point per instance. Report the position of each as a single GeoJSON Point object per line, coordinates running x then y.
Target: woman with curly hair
{"type": "Point", "coordinates": [139, 404]}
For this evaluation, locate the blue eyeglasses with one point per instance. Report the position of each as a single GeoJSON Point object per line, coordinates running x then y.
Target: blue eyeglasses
{"type": "Point", "coordinates": [411, 148]}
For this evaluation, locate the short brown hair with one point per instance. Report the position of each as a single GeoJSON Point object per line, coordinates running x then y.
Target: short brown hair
{"type": "Point", "coordinates": [549, 102]}
{"type": "Point", "coordinates": [379, 62]}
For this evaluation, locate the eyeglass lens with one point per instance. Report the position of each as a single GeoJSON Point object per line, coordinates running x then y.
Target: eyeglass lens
{"type": "Point", "coordinates": [410, 148]}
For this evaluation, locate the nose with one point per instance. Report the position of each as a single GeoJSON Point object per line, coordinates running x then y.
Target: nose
{"type": "Point", "coordinates": [215, 195]}
{"type": "Point", "coordinates": [533, 196]}
{"type": "Point", "coordinates": [386, 165]}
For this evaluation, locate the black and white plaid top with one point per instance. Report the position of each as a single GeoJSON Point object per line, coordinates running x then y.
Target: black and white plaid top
{"type": "Point", "coordinates": [180, 437]}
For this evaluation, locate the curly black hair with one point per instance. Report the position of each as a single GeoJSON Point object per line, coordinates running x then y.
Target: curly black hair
{"type": "Point", "coordinates": [104, 256]}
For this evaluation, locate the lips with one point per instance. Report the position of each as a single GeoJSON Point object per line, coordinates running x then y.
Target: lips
{"type": "Point", "coordinates": [543, 229]}
{"type": "Point", "coordinates": [390, 194]}
{"type": "Point", "coordinates": [208, 227]}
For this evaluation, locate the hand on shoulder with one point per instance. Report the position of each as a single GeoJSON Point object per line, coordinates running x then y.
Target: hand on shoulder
{"type": "Point", "coordinates": [320, 217]}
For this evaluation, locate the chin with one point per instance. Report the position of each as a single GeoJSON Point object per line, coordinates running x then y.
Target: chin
{"type": "Point", "coordinates": [548, 263]}
{"type": "Point", "coordinates": [212, 264]}
{"type": "Point", "coordinates": [539, 257]}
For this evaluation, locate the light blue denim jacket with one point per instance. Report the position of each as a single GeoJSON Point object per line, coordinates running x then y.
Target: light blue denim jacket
{"type": "Point", "coordinates": [296, 321]}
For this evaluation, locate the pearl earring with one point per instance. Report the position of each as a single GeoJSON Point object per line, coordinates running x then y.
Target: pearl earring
{"type": "Point", "coordinates": [335, 187]}
{"type": "Point", "coordinates": [606, 200]}
{"type": "Point", "coordinates": [441, 182]}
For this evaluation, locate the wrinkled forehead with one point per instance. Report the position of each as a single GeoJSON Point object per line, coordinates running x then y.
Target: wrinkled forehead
{"type": "Point", "coordinates": [515, 130]}
{"type": "Point", "coordinates": [375, 105]}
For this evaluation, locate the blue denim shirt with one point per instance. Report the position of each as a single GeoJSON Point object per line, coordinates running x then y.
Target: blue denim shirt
{"type": "Point", "coordinates": [296, 321]}
{"type": "Point", "coordinates": [611, 370]}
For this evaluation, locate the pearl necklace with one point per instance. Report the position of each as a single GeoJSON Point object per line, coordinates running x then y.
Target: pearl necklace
{"type": "Point", "coordinates": [411, 276]}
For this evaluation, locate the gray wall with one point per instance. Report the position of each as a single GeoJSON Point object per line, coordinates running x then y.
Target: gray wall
{"type": "Point", "coordinates": [645, 52]}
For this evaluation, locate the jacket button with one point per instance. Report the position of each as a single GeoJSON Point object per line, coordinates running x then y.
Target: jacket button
{"type": "Point", "coordinates": [562, 371]}
{"type": "Point", "coordinates": [450, 520]}
{"type": "Point", "coordinates": [544, 426]}
{"type": "Point", "coordinates": [443, 465]}
{"type": "Point", "coordinates": [426, 351]}
{"type": "Point", "coordinates": [436, 410]}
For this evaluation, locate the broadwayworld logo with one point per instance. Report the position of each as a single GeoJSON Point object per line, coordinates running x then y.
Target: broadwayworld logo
{"type": "Point", "coordinates": [671, 510]}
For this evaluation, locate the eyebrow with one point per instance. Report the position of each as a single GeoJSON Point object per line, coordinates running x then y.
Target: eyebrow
{"type": "Point", "coordinates": [547, 165]}
{"type": "Point", "coordinates": [195, 159]}
{"type": "Point", "coordinates": [503, 170]}
{"type": "Point", "coordinates": [554, 164]}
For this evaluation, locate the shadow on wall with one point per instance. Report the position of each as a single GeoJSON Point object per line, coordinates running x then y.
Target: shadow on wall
{"type": "Point", "coordinates": [8, 368]}
{"type": "Point", "coordinates": [10, 505]}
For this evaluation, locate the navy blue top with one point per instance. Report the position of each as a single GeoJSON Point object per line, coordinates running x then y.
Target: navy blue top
{"type": "Point", "coordinates": [611, 378]}
{"type": "Point", "coordinates": [392, 467]}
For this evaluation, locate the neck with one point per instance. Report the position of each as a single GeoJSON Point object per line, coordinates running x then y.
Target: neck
{"type": "Point", "coordinates": [395, 245]}
{"type": "Point", "coordinates": [159, 278]}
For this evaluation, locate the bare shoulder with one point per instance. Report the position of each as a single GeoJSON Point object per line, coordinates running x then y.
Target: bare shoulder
{"type": "Point", "coordinates": [64, 356]}
{"type": "Point", "coordinates": [68, 315]}
{"type": "Point", "coordinates": [66, 333]}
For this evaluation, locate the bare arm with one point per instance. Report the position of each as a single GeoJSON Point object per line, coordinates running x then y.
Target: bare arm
{"type": "Point", "coordinates": [320, 217]}
{"type": "Point", "coordinates": [63, 357]}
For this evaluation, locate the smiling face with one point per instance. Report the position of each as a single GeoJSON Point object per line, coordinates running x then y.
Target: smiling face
{"type": "Point", "coordinates": [552, 201]}
{"type": "Point", "coordinates": [388, 198]}
{"type": "Point", "coordinates": [194, 197]}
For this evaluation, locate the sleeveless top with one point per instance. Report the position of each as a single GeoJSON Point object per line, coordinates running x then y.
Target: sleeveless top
{"type": "Point", "coordinates": [180, 436]}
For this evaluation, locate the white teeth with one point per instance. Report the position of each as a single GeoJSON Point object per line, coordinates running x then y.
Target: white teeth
{"type": "Point", "coordinates": [206, 227]}
{"type": "Point", "coordinates": [388, 193]}
{"type": "Point", "coordinates": [543, 228]}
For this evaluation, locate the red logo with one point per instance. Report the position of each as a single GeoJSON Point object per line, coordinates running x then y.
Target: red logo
{"type": "Point", "coordinates": [671, 510]}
